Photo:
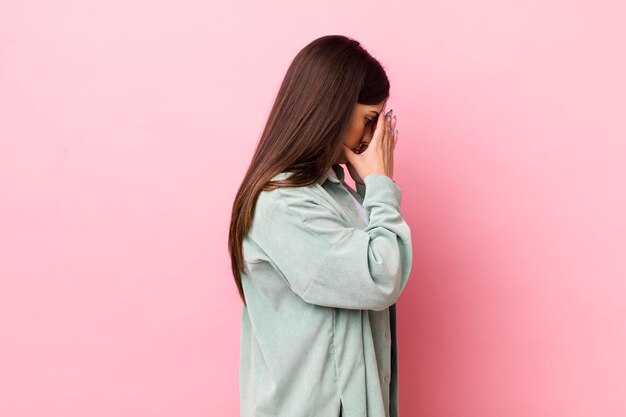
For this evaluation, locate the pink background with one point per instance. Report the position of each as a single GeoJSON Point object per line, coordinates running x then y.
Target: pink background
{"type": "Point", "coordinates": [125, 130]}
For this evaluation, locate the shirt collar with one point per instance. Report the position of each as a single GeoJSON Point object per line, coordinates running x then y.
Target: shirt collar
{"type": "Point", "coordinates": [337, 178]}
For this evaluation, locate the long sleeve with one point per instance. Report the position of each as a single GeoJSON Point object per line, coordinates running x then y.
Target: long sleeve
{"type": "Point", "coordinates": [329, 263]}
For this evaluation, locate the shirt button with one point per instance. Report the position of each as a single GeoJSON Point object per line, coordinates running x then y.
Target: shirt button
{"type": "Point", "coordinates": [386, 378]}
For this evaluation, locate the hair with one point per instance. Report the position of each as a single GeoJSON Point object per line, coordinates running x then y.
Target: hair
{"type": "Point", "coordinates": [306, 125]}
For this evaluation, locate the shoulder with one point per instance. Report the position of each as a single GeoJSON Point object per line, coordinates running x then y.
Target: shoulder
{"type": "Point", "coordinates": [285, 200]}
{"type": "Point", "coordinates": [296, 211]}
{"type": "Point", "coordinates": [288, 214]}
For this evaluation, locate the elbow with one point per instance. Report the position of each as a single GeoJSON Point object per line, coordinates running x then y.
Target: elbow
{"type": "Point", "coordinates": [387, 296]}
{"type": "Point", "coordinates": [389, 285]}
{"type": "Point", "coordinates": [384, 301]}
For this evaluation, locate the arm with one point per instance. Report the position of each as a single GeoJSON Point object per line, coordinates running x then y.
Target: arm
{"type": "Point", "coordinates": [360, 188]}
{"type": "Point", "coordinates": [328, 263]}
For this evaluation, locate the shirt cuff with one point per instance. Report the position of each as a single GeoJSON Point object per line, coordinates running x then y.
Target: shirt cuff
{"type": "Point", "coordinates": [380, 187]}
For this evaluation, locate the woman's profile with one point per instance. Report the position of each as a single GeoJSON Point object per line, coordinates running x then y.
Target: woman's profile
{"type": "Point", "coordinates": [319, 265]}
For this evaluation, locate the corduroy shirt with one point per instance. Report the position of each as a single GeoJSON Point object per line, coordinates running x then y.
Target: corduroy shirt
{"type": "Point", "coordinates": [318, 334]}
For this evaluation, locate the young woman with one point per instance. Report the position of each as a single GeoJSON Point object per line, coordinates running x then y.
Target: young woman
{"type": "Point", "coordinates": [319, 266]}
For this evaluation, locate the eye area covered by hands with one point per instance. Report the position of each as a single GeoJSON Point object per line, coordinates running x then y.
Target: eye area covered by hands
{"type": "Point", "coordinates": [379, 158]}
{"type": "Point", "coordinates": [371, 124]}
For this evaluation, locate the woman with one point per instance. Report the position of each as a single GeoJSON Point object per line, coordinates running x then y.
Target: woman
{"type": "Point", "coordinates": [319, 266]}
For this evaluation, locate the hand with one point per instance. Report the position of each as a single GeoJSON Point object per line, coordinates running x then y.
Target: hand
{"type": "Point", "coordinates": [378, 157]}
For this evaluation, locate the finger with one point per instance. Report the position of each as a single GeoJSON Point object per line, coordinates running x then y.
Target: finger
{"type": "Point", "coordinates": [394, 121]}
{"type": "Point", "coordinates": [379, 130]}
{"type": "Point", "coordinates": [392, 136]}
{"type": "Point", "coordinates": [388, 136]}
{"type": "Point", "coordinates": [384, 128]}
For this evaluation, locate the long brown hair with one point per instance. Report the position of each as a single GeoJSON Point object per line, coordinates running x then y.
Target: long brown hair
{"type": "Point", "coordinates": [304, 131]}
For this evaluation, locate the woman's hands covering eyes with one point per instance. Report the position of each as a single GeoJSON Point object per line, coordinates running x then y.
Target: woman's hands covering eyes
{"type": "Point", "coordinates": [376, 157]}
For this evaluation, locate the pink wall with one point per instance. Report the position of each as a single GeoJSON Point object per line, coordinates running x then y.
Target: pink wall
{"type": "Point", "coordinates": [126, 127]}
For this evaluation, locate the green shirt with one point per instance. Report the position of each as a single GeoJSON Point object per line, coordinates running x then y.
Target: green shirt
{"type": "Point", "coordinates": [318, 335]}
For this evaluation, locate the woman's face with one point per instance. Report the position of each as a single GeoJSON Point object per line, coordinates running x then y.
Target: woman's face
{"type": "Point", "coordinates": [362, 124]}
